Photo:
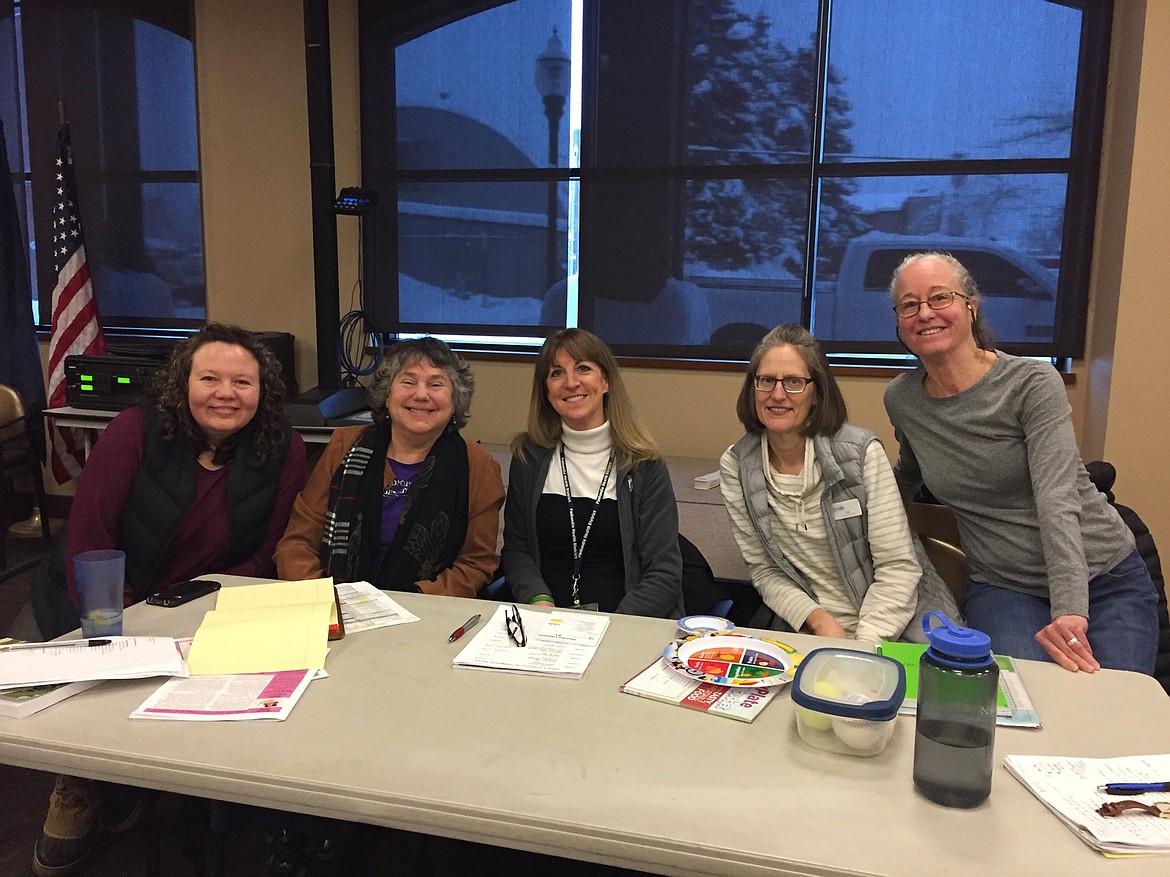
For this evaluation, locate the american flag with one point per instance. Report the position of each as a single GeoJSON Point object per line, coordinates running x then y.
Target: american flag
{"type": "Point", "coordinates": [76, 323]}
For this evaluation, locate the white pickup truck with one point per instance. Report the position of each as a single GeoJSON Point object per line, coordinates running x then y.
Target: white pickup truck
{"type": "Point", "coordinates": [1019, 294]}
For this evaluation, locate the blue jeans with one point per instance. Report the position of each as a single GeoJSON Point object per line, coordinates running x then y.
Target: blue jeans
{"type": "Point", "coordinates": [1123, 620]}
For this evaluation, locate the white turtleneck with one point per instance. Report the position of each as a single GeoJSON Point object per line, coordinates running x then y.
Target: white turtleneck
{"type": "Point", "coordinates": [586, 455]}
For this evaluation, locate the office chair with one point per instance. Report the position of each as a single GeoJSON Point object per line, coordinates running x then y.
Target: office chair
{"type": "Point", "coordinates": [1103, 475]}
{"type": "Point", "coordinates": [20, 447]}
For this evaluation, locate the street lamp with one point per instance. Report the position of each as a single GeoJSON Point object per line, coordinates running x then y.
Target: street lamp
{"type": "Point", "coordinates": [552, 81]}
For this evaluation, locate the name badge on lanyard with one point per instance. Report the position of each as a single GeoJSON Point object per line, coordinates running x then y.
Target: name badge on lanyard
{"type": "Point", "coordinates": [579, 549]}
{"type": "Point", "coordinates": [849, 508]}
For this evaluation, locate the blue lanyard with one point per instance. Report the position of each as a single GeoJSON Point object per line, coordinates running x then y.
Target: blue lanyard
{"type": "Point", "coordinates": [579, 550]}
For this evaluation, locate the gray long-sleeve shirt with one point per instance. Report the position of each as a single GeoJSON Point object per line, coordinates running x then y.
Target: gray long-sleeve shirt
{"type": "Point", "coordinates": [1002, 455]}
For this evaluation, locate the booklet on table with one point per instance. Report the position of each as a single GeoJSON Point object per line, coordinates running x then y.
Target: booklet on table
{"type": "Point", "coordinates": [660, 682]}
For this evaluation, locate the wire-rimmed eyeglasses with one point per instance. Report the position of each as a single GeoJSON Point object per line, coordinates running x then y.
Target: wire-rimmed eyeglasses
{"type": "Point", "coordinates": [940, 301]}
{"type": "Point", "coordinates": [515, 625]}
{"type": "Point", "coordinates": [791, 383]}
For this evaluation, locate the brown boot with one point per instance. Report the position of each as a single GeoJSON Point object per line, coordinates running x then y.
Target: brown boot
{"type": "Point", "coordinates": [71, 828]}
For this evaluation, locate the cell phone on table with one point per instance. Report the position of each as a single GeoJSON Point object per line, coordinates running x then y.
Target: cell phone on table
{"type": "Point", "coordinates": [183, 592]}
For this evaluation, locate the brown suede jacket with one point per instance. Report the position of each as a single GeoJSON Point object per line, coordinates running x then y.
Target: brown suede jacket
{"type": "Point", "coordinates": [298, 553]}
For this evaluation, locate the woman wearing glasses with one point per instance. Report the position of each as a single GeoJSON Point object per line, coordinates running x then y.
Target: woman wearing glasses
{"type": "Point", "coordinates": [1054, 574]}
{"type": "Point", "coordinates": [591, 520]}
{"type": "Point", "coordinates": [813, 502]}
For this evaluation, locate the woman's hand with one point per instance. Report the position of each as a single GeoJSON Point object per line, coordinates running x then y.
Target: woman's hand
{"type": "Point", "coordinates": [1066, 640]}
{"type": "Point", "coordinates": [821, 623]}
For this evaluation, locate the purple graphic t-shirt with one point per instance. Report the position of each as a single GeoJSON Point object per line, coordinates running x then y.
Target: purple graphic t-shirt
{"type": "Point", "coordinates": [394, 500]}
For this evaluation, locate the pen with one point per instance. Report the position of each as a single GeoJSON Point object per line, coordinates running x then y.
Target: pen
{"type": "Point", "coordinates": [70, 643]}
{"type": "Point", "coordinates": [1132, 788]}
{"type": "Point", "coordinates": [467, 625]}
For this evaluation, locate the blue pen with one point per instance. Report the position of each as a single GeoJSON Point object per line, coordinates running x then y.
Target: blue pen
{"type": "Point", "coordinates": [1133, 788]}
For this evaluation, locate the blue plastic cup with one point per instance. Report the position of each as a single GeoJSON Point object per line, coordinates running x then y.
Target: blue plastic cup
{"type": "Point", "coordinates": [101, 578]}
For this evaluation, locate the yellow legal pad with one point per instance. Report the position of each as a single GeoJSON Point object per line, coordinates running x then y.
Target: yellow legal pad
{"type": "Point", "coordinates": [264, 628]}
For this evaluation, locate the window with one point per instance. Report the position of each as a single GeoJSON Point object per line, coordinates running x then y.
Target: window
{"type": "Point", "coordinates": [124, 72]}
{"type": "Point", "coordinates": [722, 166]}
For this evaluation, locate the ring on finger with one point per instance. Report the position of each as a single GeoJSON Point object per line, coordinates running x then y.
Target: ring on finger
{"type": "Point", "coordinates": [1072, 640]}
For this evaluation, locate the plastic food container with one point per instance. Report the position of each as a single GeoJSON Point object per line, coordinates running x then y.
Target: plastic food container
{"type": "Point", "coordinates": [846, 701]}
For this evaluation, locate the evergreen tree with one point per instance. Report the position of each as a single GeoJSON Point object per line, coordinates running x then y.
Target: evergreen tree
{"type": "Point", "coordinates": [751, 103]}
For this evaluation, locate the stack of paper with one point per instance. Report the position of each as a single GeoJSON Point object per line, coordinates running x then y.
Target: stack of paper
{"type": "Point", "coordinates": [559, 643]}
{"type": "Point", "coordinates": [115, 657]}
{"type": "Point", "coordinates": [365, 607]}
{"type": "Point", "coordinates": [265, 628]}
{"type": "Point", "coordinates": [1068, 787]}
{"type": "Point", "coordinates": [20, 702]}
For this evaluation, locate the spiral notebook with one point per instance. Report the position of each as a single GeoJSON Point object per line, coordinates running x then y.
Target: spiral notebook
{"type": "Point", "coordinates": [1013, 705]}
{"type": "Point", "coordinates": [1069, 787]}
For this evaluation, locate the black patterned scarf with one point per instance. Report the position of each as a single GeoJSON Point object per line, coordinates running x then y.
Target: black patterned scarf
{"type": "Point", "coordinates": [430, 532]}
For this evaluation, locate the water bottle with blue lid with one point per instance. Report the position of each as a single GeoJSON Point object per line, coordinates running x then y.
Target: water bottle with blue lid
{"type": "Point", "coordinates": [954, 733]}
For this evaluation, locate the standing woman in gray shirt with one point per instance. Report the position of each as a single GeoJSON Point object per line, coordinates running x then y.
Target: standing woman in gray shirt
{"type": "Point", "coordinates": [1054, 574]}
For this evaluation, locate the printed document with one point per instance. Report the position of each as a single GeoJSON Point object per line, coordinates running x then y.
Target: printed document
{"type": "Point", "coordinates": [364, 607]}
{"type": "Point", "coordinates": [560, 643]}
{"type": "Point", "coordinates": [227, 698]}
{"type": "Point", "coordinates": [113, 657]}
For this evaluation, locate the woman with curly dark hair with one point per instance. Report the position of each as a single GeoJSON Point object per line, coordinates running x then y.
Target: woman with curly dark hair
{"type": "Point", "coordinates": [199, 480]}
{"type": "Point", "coordinates": [408, 504]}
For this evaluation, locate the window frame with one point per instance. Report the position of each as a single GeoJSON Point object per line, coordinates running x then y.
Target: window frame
{"type": "Point", "coordinates": [381, 31]}
{"type": "Point", "coordinates": [41, 124]}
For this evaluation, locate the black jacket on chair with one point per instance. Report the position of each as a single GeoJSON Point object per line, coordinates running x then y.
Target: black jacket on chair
{"type": "Point", "coordinates": [1103, 475]}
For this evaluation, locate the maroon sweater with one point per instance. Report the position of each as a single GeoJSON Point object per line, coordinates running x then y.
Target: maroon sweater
{"type": "Point", "coordinates": [202, 540]}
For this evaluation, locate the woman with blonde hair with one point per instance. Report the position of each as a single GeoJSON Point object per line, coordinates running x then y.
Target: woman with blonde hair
{"type": "Point", "coordinates": [590, 521]}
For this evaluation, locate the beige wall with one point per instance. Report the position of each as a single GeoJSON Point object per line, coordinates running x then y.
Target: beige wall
{"type": "Point", "coordinates": [253, 121]}
{"type": "Point", "coordinates": [254, 163]}
{"type": "Point", "coordinates": [1137, 431]}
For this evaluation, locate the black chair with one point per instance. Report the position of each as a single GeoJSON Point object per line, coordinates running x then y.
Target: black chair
{"type": "Point", "coordinates": [704, 594]}
{"type": "Point", "coordinates": [1103, 476]}
{"type": "Point", "coordinates": [21, 449]}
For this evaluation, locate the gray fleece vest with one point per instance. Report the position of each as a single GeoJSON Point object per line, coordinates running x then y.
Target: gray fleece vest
{"type": "Point", "coordinates": [842, 461]}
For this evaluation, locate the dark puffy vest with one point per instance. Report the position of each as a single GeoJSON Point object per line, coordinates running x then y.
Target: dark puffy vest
{"type": "Point", "coordinates": [164, 489]}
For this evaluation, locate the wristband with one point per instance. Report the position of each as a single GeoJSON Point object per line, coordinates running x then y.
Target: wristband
{"type": "Point", "coordinates": [540, 597]}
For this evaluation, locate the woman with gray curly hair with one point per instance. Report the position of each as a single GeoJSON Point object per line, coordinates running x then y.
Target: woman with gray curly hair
{"type": "Point", "coordinates": [406, 504]}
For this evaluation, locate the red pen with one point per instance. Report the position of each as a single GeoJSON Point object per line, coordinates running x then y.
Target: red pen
{"type": "Point", "coordinates": [467, 625]}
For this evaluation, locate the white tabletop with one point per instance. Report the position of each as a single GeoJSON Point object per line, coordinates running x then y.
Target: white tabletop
{"type": "Point", "coordinates": [398, 737]}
